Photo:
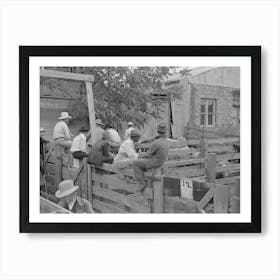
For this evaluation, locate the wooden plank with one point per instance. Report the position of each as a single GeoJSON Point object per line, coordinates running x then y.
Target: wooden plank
{"type": "Point", "coordinates": [106, 208]}
{"type": "Point", "coordinates": [91, 111]}
{"type": "Point", "coordinates": [230, 167]}
{"type": "Point", "coordinates": [206, 198]}
{"type": "Point", "coordinates": [220, 149]}
{"type": "Point", "coordinates": [186, 172]}
{"type": "Point", "coordinates": [180, 205]}
{"type": "Point", "coordinates": [89, 183]}
{"type": "Point", "coordinates": [66, 75]}
{"type": "Point", "coordinates": [47, 206]}
{"type": "Point", "coordinates": [122, 199]}
{"type": "Point", "coordinates": [224, 140]}
{"type": "Point", "coordinates": [48, 155]}
{"type": "Point", "coordinates": [211, 168]}
{"type": "Point", "coordinates": [182, 152]}
{"type": "Point", "coordinates": [221, 199]}
{"type": "Point", "coordinates": [230, 156]}
{"type": "Point", "coordinates": [158, 196]}
{"type": "Point", "coordinates": [175, 163]}
{"type": "Point", "coordinates": [227, 180]}
{"type": "Point", "coordinates": [112, 168]}
{"type": "Point", "coordinates": [115, 183]}
{"type": "Point", "coordinates": [235, 197]}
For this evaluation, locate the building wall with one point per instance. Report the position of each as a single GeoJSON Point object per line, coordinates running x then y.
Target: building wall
{"type": "Point", "coordinates": [220, 76]}
{"type": "Point", "coordinates": [223, 98]}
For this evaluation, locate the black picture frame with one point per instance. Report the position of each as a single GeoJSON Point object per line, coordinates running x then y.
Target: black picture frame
{"type": "Point", "coordinates": [25, 52]}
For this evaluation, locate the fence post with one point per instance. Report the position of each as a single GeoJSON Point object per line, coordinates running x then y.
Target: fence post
{"type": "Point", "coordinates": [211, 168]}
{"type": "Point", "coordinates": [89, 182]}
{"type": "Point", "coordinates": [158, 193]}
{"type": "Point", "coordinates": [221, 199]}
{"type": "Point", "coordinates": [235, 198]}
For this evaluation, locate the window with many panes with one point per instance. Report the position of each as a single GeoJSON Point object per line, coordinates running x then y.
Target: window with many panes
{"type": "Point", "coordinates": [208, 112]}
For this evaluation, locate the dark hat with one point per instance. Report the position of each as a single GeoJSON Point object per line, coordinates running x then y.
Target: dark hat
{"type": "Point", "coordinates": [161, 128]}
{"type": "Point", "coordinates": [134, 133]}
{"type": "Point", "coordinates": [83, 128]}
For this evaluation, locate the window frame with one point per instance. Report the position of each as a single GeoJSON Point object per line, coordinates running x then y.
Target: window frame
{"type": "Point", "coordinates": [206, 113]}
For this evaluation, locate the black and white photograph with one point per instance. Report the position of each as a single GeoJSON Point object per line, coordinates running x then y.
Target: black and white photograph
{"type": "Point", "coordinates": [140, 139]}
{"type": "Point", "coordinates": [160, 138]}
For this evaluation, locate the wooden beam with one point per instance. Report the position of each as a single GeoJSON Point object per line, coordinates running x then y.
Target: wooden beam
{"type": "Point", "coordinates": [91, 111]}
{"type": "Point", "coordinates": [66, 75]}
{"type": "Point", "coordinates": [221, 199]}
{"type": "Point", "coordinates": [211, 168]}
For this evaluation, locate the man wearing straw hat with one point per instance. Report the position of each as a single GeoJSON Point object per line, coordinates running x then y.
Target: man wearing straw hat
{"type": "Point", "coordinates": [69, 199]}
{"type": "Point", "coordinates": [61, 133]}
{"type": "Point", "coordinates": [153, 158]}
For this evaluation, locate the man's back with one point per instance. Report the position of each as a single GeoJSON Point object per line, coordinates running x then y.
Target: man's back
{"type": "Point", "coordinates": [99, 150]}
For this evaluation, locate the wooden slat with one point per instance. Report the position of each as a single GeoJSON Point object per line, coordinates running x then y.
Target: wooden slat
{"type": "Point", "coordinates": [180, 205]}
{"type": "Point", "coordinates": [228, 156]}
{"type": "Point", "coordinates": [158, 197]}
{"type": "Point", "coordinates": [224, 140]}
{"type": "Point", "coordinates": [47, 206]}
{"type": "Point", "coordinates": [229, 167]}
{"type": "Point", "coordinates": [66, 75]}
{"type": "Point", "coordinates": [89, 183]}
{"type": "Point", "coordinates": [227, 180]}
{"type": "Point", "coordinates": [175, 163]}
{"type": "Point", "coordinates": [186, 172]}
{"type": "Point", "coordinates": [49, 168]}
{"type": "Point", "coordinates": [91, 111]}
{"type": "Point", "coordinates": [182, 152]}
{"type": "Point", "coordinates": [221, 199]}
{"type": "Point", "coordinates": [206, 198]}
{"type": "Point", "coordinates": [106, 208]}
{"type": "Point", "coordinates": [122, 199]}
{"type": "Point", "coordinates": [50, 179]}
{"type": "Point", "coordinates": [112, 168]}
{"type": "Point", "coordinates": [220, 149]}
{"type": "Point", "coordinates": [211, 168]}
{"type": "Point", "coordinates": [115, 183]}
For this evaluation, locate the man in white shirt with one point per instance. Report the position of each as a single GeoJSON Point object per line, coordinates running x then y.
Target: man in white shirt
{"type": "Point", "coordinates": [115, 139]}
{"type": "Point", "coordinates": [130, 128]}
{"type": "Point", "coordinates": [79, 145]}
{"type": "Point", "coordinates": [127, 152]}
{"type": "Point", "coordinates": [61, 133]}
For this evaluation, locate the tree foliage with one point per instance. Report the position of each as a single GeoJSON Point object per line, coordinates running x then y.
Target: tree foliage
{"type": "Point", "coordinates": [125, 93]}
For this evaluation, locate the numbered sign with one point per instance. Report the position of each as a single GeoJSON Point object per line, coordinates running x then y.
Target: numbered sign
{"type": "Point", "coordinates": [186, 185]}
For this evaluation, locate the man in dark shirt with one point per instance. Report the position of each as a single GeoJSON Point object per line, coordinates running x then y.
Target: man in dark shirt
{"type": "Point", "coordinates": [153, 158]}
{"type": "Point", "coordinates": [100, 151]}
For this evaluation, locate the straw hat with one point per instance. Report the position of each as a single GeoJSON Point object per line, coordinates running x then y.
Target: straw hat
{"type": "Point", "coordinates": [42, 129]}
{"type": "Point", "coordinates": [64, 115]}
{"type": "Point", "coordinates": [130, 123]}
{"type": "Point", "coordinates": [65, 188]}
{"type": "Point", "coordinates": [98, 121]}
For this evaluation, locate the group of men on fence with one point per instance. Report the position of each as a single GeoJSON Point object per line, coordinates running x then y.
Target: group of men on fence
{"type": "Point", "coordinates": [107, 148]}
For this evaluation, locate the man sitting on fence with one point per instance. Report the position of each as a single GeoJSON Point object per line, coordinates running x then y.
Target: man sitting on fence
{"type": "Point", "coordinates": [153, 158]}
{"type": "Point", "coordinates": [69, 199]}
{"type": "Point", "coordinates": [127, 152]}
{"type": "Point", "coordinates": [115, 139]}
{"type": "Point", "coordinates": [100, 151]}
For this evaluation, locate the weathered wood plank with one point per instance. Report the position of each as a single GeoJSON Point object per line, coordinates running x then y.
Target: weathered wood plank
{"type": "Point", "coordinates": [224, 140]}
{"type": "Point", "coordinates": [228, 156]}
{"type": "Point", "coordinates": [49, 168]}
{"type": "Point", "coordinates": [185, 162]}
{"type": "Point", "coordinates": [122, 199]}
{"type": "Point", "coordinates": [211, 168]}
{"type": "Point", "coordinates": [158, 197]}
{"type": "Point", "coordinates": [220, 149]}
{"type": "Point", "coordinates": [91, 111]}
{"type": "Point", "coordinates": [206, 198]}
{"type": "Point", "coordinates": [227, 180]}
{"type": "Point", "coordinates": [47, 206]}
{"type": "Point", "coordinates": [50, 179]}
{"type": "Point", "coordinates": [66, 75]}
{"type": "Point", "coordinates": [106, 208]}
{"type": "Point", "coordinates": [182, 152]}
{"type": "Point", "coordinates": [186, 172]}
{"type": "Point", "coordinates": [230, 167]}
{"type": "Point", "coordinates": [89, 183]}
